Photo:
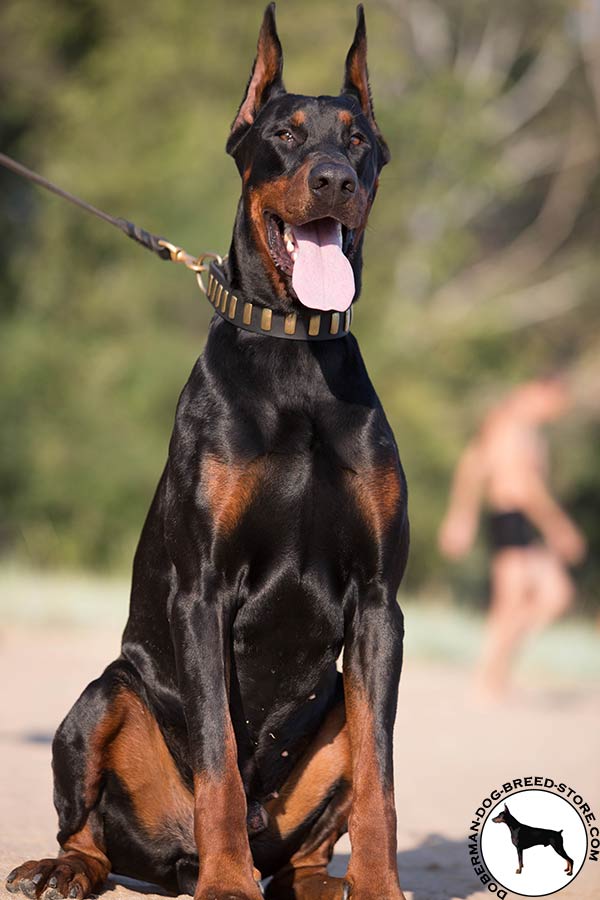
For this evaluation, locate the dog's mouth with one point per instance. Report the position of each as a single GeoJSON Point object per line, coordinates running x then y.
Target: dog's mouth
{"type": "Point", "coordinates": [316, 257]}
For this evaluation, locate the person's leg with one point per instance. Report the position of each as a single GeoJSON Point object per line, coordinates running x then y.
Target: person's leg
{"type": "Point", "coordinates": [507, 622]}
{"type": "Point", "coordinates": [552, 590]}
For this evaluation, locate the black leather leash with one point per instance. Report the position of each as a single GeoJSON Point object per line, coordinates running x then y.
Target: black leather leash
{"type": "Point", "coordinates": [163, 248]}
{"type": "Point", "coordinates": [244, 314]}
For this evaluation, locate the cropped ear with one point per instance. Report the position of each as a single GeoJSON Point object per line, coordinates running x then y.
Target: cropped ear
{"type": "Point", "coordinates": [356, 78]}
{"type": "Point", "coordinates": [506, 808]}
{"type": "Point", "coordinates": [265, 81]}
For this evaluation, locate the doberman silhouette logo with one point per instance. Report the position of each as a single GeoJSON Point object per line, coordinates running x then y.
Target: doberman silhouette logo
{"type": "Point", "coordinates": [534, 843]}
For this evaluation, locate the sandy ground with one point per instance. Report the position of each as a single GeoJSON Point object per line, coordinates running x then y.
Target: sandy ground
{"type": "Point", "coordinates": [449, 755]}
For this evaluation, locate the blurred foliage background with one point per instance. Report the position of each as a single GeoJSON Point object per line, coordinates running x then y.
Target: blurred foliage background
{"type": "Point", "coordinates": [482, 259]}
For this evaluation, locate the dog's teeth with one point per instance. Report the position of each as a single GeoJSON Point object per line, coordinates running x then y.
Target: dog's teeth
{"type": "Point", "coordinates": [339, 234]}
{"type": "Point", "coordinates": [288, 239]}
{"type": "Point", "coordinates": [295, 255]}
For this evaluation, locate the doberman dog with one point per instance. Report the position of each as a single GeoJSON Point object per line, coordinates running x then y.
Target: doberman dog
{"type": "Point", "coordinates": [223, 745]}
{"type": "Point", "coordinates": [525, 836]}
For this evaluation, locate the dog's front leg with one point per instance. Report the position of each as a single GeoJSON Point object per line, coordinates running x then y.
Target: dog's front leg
{"type": "Point", "coordinates": [201, 628]}
{"type": "Point", "coordinates": [372, 663]}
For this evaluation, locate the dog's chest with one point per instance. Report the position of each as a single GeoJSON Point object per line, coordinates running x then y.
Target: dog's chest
{"type": "Point", "coordinates": [307, 497]}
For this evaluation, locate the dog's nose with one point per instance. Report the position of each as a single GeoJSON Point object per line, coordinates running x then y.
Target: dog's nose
{"type": "Point", "coordinates": [333, 182]}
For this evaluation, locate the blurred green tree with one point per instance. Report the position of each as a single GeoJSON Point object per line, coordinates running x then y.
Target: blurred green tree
{"type": "Point", "coordinates": [481, 262]}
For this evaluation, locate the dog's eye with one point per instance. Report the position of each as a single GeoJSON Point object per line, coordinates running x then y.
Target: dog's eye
{"type": "Point", "coordinates": [286, 136]}
{"type": "Point", "coordinates": [356, 140]}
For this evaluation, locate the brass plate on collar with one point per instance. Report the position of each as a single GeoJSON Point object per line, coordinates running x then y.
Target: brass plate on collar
{"type": "Point", "coordinates": [335, 323]}
{"type": "Point", "coordinates": [247, 317]}
{"type": "Point", "coordinates": [232, 306]}
{"type": "Point", "coordinates": [289, 325]}
{"type": "Point", "coordinates": [218, 297]}
{"type": "Point", "coordinates": [314, 325]}
{"type": "Point", "coordinates": [265, 319]}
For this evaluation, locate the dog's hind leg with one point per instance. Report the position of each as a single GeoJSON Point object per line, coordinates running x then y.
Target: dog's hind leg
{"type": "Point", "coordinates": [82, 865]}
{"type": "Point", "coordinates": [310, 814]}
{"type": "Point", "coordinates": [558, 846]}
{"type": "Point", "coordinates": [108, 735]}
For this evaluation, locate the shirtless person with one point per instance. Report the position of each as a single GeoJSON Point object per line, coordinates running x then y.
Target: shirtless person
{"type": "Point", "coordinates": [533, 539]}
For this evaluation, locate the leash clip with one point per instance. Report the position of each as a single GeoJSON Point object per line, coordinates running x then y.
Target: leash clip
{"type": "Point", "coordinates": [195, 263]}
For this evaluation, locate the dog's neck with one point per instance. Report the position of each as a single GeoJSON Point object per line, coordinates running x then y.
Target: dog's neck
{"type": "Point", "coordinates": [511, 821]}
{"type": "Point", "coordinates": [286, 375]}
{"type": "Point", "coordinates": [253, 275]}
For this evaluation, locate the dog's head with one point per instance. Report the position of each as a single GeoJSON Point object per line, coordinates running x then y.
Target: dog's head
{"type": "Point", "coordinates": [309, 168]}
{"type": "Point", "coordinates": [502, 816]}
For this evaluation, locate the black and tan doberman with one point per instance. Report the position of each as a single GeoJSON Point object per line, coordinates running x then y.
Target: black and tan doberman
{"type": "Point", "coordinates": [525, 836]}
{"type": "Point", "coordinates": [223, 745]}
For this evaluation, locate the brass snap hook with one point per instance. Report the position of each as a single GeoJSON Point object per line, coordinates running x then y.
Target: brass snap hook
{"type": "Point", "coordinates": [195, 263]}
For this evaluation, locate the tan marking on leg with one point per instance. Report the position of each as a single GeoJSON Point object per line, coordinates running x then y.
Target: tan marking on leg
{"type": "Point", "coordinates": [141, 759]}
{"type": "Point", "coordinates": [103, 734]}
{"type": "Point", "coordinates": [84, 846]}
{"type": "Point", "coordinates": [129, 741]}
{"type": "Point", "coordinates": [220, 828]}
{"type": "Point", "coordinates": [372, 822]}
{"type": "Point", "coordinates": [306, 873]}
{"type": "Point", "coordinates": [326, 761]}
{"type": "Point", "coordinates": [230, 488]}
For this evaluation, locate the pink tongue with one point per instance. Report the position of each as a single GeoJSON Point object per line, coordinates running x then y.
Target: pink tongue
{"type": "Point", "coordinates": [322, 276]}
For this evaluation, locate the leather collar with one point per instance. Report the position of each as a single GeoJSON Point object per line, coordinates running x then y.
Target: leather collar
{"type": "Point", "coordinates": [295, 326]}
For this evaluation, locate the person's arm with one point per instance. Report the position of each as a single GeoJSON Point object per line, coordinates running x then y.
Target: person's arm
{"type": "Point", "coordinates": [458, 529]}
{"type": "Point", "coordinates": [558, 529]}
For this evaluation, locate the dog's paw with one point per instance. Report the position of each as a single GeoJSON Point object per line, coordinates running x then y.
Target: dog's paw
{"type": "Point", "coordinates": [31, 877]}
{"type": "Point", "coordinates": [58, 878]}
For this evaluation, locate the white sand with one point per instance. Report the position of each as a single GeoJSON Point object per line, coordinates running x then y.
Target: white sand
{"type": "Point", "coordinates": [449, 755]}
